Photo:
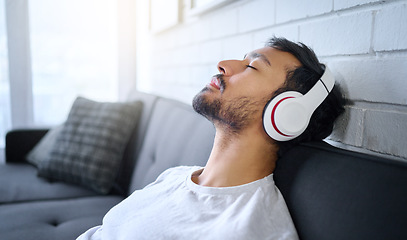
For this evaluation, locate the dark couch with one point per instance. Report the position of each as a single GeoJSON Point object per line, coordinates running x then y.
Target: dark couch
{"type": "Point", "coordinates": [331, 193]}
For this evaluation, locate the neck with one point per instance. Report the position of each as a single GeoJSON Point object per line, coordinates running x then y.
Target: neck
{"type": "Point", "coordinates": [238, 159]}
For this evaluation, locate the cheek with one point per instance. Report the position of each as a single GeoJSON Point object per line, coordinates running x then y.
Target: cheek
{"type": "Point", "coordinates": [260, 92]}
{"type": "Point", "coordinates": [245, 86]}
{"type": "Point", "coordinates": [257, 87]}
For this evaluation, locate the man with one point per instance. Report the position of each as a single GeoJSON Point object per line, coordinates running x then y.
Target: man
{"type": "Point", "coordinates": [233, 196]}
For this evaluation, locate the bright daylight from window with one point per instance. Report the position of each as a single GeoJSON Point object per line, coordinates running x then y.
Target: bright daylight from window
{"type": "Point", "coordinates": [73, 52]}
{"type": "Point", "coordinates": [4, 84]}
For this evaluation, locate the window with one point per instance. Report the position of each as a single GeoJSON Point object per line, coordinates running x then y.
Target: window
{"type": "Point", "coordinates": [4, 82]}
{"type": "Point", "coordinates": [73, 52]}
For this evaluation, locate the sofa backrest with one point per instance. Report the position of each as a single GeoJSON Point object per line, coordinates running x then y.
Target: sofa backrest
{"type": "Point", "coordinates": [135, 142]}
{"type": "Point", "coordinates": [338, 194]}
{"type": "Point", "coordinates": [175, 135]}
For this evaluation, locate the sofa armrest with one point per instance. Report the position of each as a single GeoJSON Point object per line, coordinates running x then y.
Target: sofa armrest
{"type": "Point", "coordinates": [20, 141]}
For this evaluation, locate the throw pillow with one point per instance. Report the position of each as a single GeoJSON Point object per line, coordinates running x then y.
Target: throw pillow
{"type": "Point", "coordinates": [44, 146]}
{"type": "Point", "coordinates": [89, 149]}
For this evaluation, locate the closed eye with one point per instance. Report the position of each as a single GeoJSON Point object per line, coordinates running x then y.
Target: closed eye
{"type": "Point", "coordinates": [251, 67]}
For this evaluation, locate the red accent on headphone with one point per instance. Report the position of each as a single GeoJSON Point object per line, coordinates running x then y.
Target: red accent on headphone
{"type": "Point", "coordinates": [272, 117]}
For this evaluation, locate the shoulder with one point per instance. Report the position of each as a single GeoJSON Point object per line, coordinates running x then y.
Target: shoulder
{"type": "Point", "coordinates": [281, 222]}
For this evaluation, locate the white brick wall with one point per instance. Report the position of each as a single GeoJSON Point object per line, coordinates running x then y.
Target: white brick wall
{"type": "Point", "coordinates": [363, 41]}
{"type": "Point", "coordinates": [391, 28]}
{"type": "Point", "coordinates": [290, 10]}
{"type": "Point", "coordinates": [345, 4]}
{"type": "Point", "coordinates": [373, 79]}
{"type": "Point", "coordinates": [255, 15]}
{"type": "Point", "coordinates": [339, 35]}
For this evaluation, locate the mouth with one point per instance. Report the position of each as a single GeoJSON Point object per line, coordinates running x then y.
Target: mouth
{"type": "Point", "coordinates": [215, 82]}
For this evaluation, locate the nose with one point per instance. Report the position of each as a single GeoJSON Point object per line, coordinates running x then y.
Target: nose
{"type": "Point", "coordinates": [229, 67]}
{"type": "Point", "coordinates": [221, 67]}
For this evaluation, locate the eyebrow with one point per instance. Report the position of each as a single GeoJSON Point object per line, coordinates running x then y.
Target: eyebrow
{"type": "Point", "coordinates": [258, 55]}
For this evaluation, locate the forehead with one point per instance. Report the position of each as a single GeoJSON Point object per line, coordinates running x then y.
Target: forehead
{"type": "Point", "coordinates": [276, 57]}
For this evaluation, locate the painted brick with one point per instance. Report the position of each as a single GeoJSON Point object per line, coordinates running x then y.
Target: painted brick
{"type": "Point", "coordinates": [224, 23]}
{"type": "Point", "coordinates": [184, 94]}
{"type": "Point", "coordinates": [255, 15]}
{"type": "Point", "coordinates": [165, 37]}
{"type": "Point", "coordinates": [185, 55]}
{"type": "Point", "coordinates": [190, 55]}
{"type": "Point", "coordinates": [210, 52]}
{"type": "Point", "coordinates": [287, 10]}
{"type": "Point", "coordinates": [167, 58]}
{"type": "Point", "coordinates": [236, 47]}
{"type": "Point", "coordinates": [182, 75]}
{"type": "Point", "coordinates": [164, 76]}
{"type": "Point", "coordinates": [187, 93]}
{"type": "Point", "coordinates": [349, 127]}
{"type": "Point", "coordinates": [201, 30]}
{"type": "Point", "coordinates": [290, 32]}
{"type": "Point", "coordinates": [373, 80]}
{"type": "Point", "coordinates": [385, 132]}
{"type": "Point", "coordinates": [182, 35]}
{"type": "Point", "coordinates": [390, 31]}
{"type": "Point", "coordinates": [164, 89]}
{"type": "Point", "coordinates": [342, 4]}
{"type": "Point", "coordinates": [162, 58]}
{"type": "Point", "coordinates": [201, 75]}
{"type": "Point", "coordinates": [347, 34]}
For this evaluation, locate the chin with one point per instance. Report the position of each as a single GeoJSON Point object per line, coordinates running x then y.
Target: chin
{"type": "Point", "coordinates": [204, 105]}
{"type": "Point", "coordinates": [203, 96]}
{"type": "Point", "coordinates": [199, 100]}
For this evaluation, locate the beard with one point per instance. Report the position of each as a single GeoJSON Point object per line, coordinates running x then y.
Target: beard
{"type": "Point", "coordinates": [235, 114]}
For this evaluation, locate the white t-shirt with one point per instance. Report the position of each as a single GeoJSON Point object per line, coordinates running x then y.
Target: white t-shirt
{"type": "Point", "coordinates": [174, 207]}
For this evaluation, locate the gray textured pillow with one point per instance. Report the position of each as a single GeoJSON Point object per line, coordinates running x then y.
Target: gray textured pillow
{"type": "Point", "coordinates": [43, 148]}
{"type": "Point", "coordinates": [89, 149]}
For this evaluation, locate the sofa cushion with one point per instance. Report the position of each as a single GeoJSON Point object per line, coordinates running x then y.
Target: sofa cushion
{"type": "Point", "coordinates": [62, 219]}
{"type": "Point", "coordinates": [338, 194]}
{"type": "Point", "coordinates": [90, 146]}
{"type": "Point", "coordinates": [176, 135]}
{"type": "Point", "coordinates": [19, 182]}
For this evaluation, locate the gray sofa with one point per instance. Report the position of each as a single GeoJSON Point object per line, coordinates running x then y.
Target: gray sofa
{"type": "Point", "coordinates": [331, 193]}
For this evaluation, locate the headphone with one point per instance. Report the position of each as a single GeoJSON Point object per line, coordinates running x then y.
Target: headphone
{"type": "Point", "coordinates": [287, 115]}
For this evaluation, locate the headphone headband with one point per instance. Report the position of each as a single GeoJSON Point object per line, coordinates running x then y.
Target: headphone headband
{"type": "Point", "coordinates": [328, 79]}
{"type": "Point", "coordinates": [317, 94]}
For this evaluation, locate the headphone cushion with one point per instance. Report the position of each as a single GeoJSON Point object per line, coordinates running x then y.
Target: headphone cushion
{"type": "Point", "coordinates": [285, 117]}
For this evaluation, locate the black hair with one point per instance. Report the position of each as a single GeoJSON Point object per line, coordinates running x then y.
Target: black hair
{"type": "Point", "coordinates": [302, 79]}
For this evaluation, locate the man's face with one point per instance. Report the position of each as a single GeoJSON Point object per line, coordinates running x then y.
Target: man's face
{"type": "Point", "coordinates": [236, 97]}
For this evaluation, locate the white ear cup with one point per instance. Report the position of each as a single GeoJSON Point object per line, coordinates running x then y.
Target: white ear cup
{"type": "Point", "coordinates": [284, 117]}
{"type": "Point", "coordinates": [287, 115]}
